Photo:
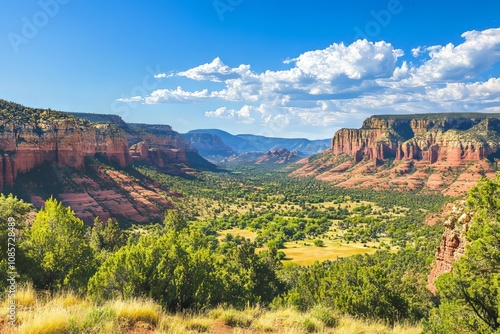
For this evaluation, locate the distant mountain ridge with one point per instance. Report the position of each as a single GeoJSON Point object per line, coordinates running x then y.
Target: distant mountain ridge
{"type": "Point", "coordinates": [218, 144]}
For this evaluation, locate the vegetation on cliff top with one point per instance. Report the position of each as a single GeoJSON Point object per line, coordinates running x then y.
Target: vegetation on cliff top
{"type": "Point", "coordinates": [437, 116]}
{"type": "Point", "coordinates": [19, 114]}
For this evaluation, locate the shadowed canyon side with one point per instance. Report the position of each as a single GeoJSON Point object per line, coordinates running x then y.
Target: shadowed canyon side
{"type": "Point", "coordinates": [435, 152]}
{"type": "Point", "coordinates": [45, 152]}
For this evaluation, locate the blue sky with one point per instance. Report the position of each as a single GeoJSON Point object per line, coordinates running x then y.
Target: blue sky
{"type": "Point", "coordinates": [277, 68]}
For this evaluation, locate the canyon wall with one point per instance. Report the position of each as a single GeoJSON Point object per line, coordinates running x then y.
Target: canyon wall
{"type": "Point", "coordinates": [159, 144]}
{"type": "Point", "coordinates": [455, 138]}
{"type": "Point", "coordinates": [55, 137]}
{"type": "Point", "coordinates": [30, 137]}
{"type": "Point", "coordinates": [444, 153]}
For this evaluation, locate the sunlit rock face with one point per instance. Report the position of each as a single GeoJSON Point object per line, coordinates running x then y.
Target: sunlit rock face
{"type": "Point", "coordinates": [447, 153]}
{"type": "Point", "coordinates": [452, 245]}
{"type": "Point", "coordinates": [55, 138]}
{"type": "Point", "coordinates": [455, 138]}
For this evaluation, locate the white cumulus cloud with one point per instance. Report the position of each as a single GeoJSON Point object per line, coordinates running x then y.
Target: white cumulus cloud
{"type": "Point", "coordinates": [360, 60]}
{"type": "Point", "coordinates": [333, 85]}
{"type": "Point", "coordinates": [175, 95]}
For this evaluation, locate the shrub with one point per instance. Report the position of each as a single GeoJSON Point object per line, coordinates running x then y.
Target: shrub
{"type": "Point", "coordinates": [309, 325]}
{"type": "Point", "coordinates": [324, 315]}
{"type": "Point", "coordinates": [319, 243]}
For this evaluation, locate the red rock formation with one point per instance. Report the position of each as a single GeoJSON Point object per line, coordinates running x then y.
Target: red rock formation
{"type": "Point", "coordinates": [456, 139]}
{"type": "Point", "coordinates": [158, 144]}
{"type": "Point", "coordinates": [362, 144]}
{"type": "Point", "coordinates": [452, 245]}
{"type": "Point", "coordinates": [278, 156]}
{"type": "Point", "coordinates": [60, 139]}
{"type": "Point", "coordinates": [9, 173]}
{"type": "Point", "coordinates": [158, 156]}
{"type": "Point", "coordinates": [139, 151]}
{"type": "Point", "coordinates": [445, 153]}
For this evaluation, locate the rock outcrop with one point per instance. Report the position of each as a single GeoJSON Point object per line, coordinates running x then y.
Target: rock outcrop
{"type": "Point", "coordinates": [163, 147]}
{"type": "Point", "coordinates": [155, 144]}
{"type": "Point", "coordinates": [452, 245]}
{"type": "Point", "coordinates": [280, 156]}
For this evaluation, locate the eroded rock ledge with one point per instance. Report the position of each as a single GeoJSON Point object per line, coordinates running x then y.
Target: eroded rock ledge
{"type": "Point", "coordinates": [453, 242]}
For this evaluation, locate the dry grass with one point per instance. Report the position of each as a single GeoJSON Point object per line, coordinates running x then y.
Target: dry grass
{"type": "Point", "coordinates": [308, 254]}
{"type": "Point", "coordinates": [238, 231]}
{"type": "Point", "coordinates": [66, 313]}
{"type": "Point", "coordinates": [132, 311]}
{"type": "Point", "coordinates": [53, 320]}
{"type": "Point", "coordinates": [25, 296]}
{"type": "Point", "coordinates": [350, 325]}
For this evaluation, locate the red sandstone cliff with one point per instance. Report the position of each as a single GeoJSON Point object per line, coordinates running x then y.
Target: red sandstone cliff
{"type": "Point", "coordinates": [55, 137]}
{"type": "Point", "coordinates": [451, 138]}
{"type": "Point", "coordinates": [29, 138]}
{"type": "Point", "coordinates": [158, 144]}
{"type": "Point", "coordinates": [434, 152]}
{"type": "Point", "coordinates": [155, 144]}
{"type": "Point", "coordinates": [452, 245]}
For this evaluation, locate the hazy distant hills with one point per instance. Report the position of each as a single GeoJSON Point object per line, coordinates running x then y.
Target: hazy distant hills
{"type": "Point", "coordinates": [218, 145]}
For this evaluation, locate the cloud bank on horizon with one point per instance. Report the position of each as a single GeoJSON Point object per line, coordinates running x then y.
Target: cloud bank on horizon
{"type": "Point", "coordinates": [330, 86]}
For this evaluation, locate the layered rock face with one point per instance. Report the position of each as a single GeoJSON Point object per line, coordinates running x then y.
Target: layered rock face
{"type": "Point", "coordinates": [455, 138]}
{"type": "Point", "coordinates": [157, 144]}
{"type": "Point", "coordinates": [54, 137]}
{"type": "Point", "coordinates": [29, 138]}
{"type": "Point", "coordinates": [429, 152]}
{"type": "Point", "coordinates": [452, 245]}
{"type": "Point", "coordinates": [157, 136]}
{"type": "Point", "coordinates": [279, 156]}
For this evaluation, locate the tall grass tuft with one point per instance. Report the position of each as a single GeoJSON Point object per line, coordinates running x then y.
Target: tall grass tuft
{"type": "Point", "coordinates": [53, 320]}
{"type": "Point", "coordinates": [134, 310]}
{"type": "Point", "coordinates": [25, 296]}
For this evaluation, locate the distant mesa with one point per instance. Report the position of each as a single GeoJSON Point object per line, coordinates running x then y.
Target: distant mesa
{"type": "Point", "coordinates": [435, 152]}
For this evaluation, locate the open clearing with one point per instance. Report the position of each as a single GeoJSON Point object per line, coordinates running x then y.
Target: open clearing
{"type": "Point", "coordinates": [304, 252]}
